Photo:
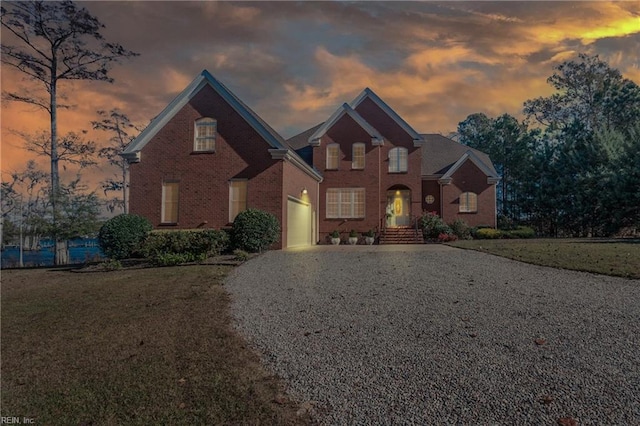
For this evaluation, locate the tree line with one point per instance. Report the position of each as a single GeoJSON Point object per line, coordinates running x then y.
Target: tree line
{"type": "Point", "coordinates": [572, 166]}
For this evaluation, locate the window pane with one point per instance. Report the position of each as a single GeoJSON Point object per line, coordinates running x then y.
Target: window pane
{"type": "Point", "coordinates": [358, 156]}
{"type": "Point", "coordinates": [332, 156]}
{"type": "Point", "coordinates": [332, 203]}
{"type": "Point", "coordinates": [468, 202]}
{"type": "Point", "coordinates": [398, 160]}
{"type": "Point", "coordinates": [205, 134]}
{"type": "Point", "coordinates": [237, 198]}
{"type": "Point", "coordinates": [169, 202]}
{"type": "Point", "coordinates": [345, 202]}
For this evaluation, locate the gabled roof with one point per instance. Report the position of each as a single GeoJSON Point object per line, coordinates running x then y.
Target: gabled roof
{"type": "Point", "coordinates": [442, 156]}
{"type": "Point", "coordinates": [279, 147]}
{"type": "Point", "coordinates": [368, 93]}
{"type": "Point", "coordinates": [345, 109]}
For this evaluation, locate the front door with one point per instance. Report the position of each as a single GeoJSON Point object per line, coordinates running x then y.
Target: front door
{"type": "Point", "coordinates": [398, 207]}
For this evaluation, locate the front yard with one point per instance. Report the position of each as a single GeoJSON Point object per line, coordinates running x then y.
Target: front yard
{"type": "Point", "coordinates": [146, 346]}
{"type": "Point", "coordinates": [611, 257]}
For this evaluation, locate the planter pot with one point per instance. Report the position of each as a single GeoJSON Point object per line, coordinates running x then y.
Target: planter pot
{"type": "Point", "coordinates": [335, 241]}
{"type": "Point", "coordinates": [369, 240]}
{"type": "Point", "coordinates": [353, 240]}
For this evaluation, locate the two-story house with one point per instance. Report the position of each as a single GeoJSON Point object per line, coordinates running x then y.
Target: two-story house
{"type": "Point", "coordinates": [208, 156]}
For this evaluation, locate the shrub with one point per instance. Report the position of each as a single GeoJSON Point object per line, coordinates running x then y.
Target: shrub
{"type": "Point", "coordinates": [110, 265]}
{"type": "Point", "coordinates": [172, 259]}
{"type": "Point", "coordinates": [241, 255]}
{"type": "Point", "coordinates": [444, 237]}
{"type": "Point", "coordinates": [432, 226]}
{"type": "Point", "coordinates": [353, 234]}
{"type": "Point", "coordinates": [370, 233]}
{"type": "Point", "coordinates": [488, 234]}
{"type": "Point", "coordinates": [521, 232]}
{"type": "Point", "coordinates": [194, 244]}
{"type": "Point", "coordinates": [121, 236]}
{"type": "Point", "coordinates": [460, 229]}
{"type": "Point", "coordinates": [335, 234]}
{"type": "Point", "coordinates": [254, 230]}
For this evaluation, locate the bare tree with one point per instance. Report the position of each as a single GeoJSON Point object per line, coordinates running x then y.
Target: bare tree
{"type": "Point", "coordinates": [119, 125]}
{"type": "Point", "coordinates": [56, 41]}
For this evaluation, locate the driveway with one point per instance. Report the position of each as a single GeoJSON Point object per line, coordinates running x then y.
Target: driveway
{"type": "Point", "coordinates": [431, 334]}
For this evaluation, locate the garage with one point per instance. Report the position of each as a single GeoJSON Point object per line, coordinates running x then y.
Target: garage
{"type": "Point", "coordinates": [299, 228]}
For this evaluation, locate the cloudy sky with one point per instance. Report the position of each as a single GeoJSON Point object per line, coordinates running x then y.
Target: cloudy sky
{"type": "Point", "coordinates": [294, 63]}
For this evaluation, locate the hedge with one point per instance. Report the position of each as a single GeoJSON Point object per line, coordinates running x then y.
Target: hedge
{"type": "Point", "coordinates": [121, 236]}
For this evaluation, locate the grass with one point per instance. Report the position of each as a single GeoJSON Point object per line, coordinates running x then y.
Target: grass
{"type": "Point", "coordinates": [145, 346]}
{"type": "Point", "coordinates": [610, 257]}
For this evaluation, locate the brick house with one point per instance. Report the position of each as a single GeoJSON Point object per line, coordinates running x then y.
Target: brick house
{"type": "Point", "coordinates": [208, 156]}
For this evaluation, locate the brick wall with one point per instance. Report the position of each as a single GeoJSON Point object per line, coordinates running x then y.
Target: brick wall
{"type": "Point", "coordinates": [241, 153]}
{"type": "Point", "coordinates": [469, 178]}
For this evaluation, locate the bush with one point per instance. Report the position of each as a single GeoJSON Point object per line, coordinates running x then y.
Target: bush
{"type": "Point", "coordinates": [488, 234]}
{"type": "Point", "coordinates": [254, 230]}
{"type": "Point", "coordinates": [241, 255]}
{"type": "Point", "coordinates": [121, 236]}
{"type": "Point", "coordinates": [444, 237]}
{"type": "Point", "coordinates": [521, 232]}
{"type": "Point", "coordinates": [432, 226]}
{"type": "Point", "coordinates": [460, 229]}
{"type": "Point", "coordinates": [353, 234]}
{"type": "Point", "coordinates": [192, 245]}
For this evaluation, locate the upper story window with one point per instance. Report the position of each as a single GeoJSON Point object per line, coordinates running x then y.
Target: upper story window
{"type": "Point", "coordinates": [205, 134]}
{"type": "Point", "coordinates": [398, 160]}
{"type": "Point", "coordinates": [357, 156]}
{"type": "Point", "coordinates": [332, 156]}
{"type": "Point", "coordinates": [468, 202]}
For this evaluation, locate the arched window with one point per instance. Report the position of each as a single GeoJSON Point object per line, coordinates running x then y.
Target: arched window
{"type": "Point", "coordinates": [333, 150]}
{"type": "Point", "coordinates": [398, 160]}
{"type": "Point", "coordinates": [357, 156]}
{"type": "Point", "coordinates": [205, 134]}
{"type": "Point", "coordinates": [468, 202]}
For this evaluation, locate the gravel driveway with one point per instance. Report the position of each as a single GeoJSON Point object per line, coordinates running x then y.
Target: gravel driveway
{"type": "Point", "coordinates": [431, 334]}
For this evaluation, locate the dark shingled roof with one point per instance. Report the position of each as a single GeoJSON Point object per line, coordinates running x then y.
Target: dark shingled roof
{"type": "Point", "coordinates": [301, 140]}
{"type": "Point", "coordinates": [439, 153]}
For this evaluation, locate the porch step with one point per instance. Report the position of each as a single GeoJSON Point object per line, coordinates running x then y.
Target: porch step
{"type": "Point", "coordinates": [401, 235]}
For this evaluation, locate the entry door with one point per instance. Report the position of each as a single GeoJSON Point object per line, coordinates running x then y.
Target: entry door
{"type": "Point", "coordinates": [398, 207]}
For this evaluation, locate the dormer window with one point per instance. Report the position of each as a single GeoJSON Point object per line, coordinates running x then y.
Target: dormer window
{"type": "Point", "coordinates": [205, 135]}
{"type": "Point", "coordinates": [398, 160]}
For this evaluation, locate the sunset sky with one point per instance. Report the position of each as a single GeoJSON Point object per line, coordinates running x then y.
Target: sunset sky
{"type": "Point", "coordinates": [294, 63]}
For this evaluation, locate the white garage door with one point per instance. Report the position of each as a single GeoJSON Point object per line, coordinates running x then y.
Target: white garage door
{"type": "Point", "coordinates": [298, 223]}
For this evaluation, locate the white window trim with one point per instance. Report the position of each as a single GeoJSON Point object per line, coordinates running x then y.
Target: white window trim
{"type": "Point", "coordinates": [163, 212]}
{"type": "Point", "coordinates": [465, 205]}
{"type": "Point", "coordinates": [353, 155]}
{"type": "Point", "coordinates": [205, 140]}
{"type": "Point", "coordinates": [397, 152]}
{"type": "Point", "coordinates": [337, 156]}
{"type": "Point", "coordinates": [232, 216]}
{"type": "Point", "coordinates": [346, 195]}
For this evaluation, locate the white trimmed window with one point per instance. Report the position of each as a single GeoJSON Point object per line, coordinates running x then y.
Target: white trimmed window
{"type": "Point", "coordinates": [398, 160]}
{"type": "Point", "coordinates": [169, 202]}
{"type": "Point", "coordinates": [357, 156]}
{"type": "Point", "coordinates": [332, 156]}
{"type": "Point", "coordinates": [237, 198]}
{"type": "Point", "coordinates": [468, 202]}
{"type": "Point", "coordinates": [205, 134]}
{"type": "Point", "coordinates": [345, 203]}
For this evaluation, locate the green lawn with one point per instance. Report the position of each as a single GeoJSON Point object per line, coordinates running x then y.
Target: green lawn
{"type": "Point", "coordinates": [610, 257]}
{"type": "Point", "coordinates": [145, 346]}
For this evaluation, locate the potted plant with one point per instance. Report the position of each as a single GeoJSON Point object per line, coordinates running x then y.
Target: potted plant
{"type": "Point", "coordinates": [353, 237]}
{"type": "Point", "coordinates": [370, 237]}
{"type": "Point", "coordinates": [335, 237]}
